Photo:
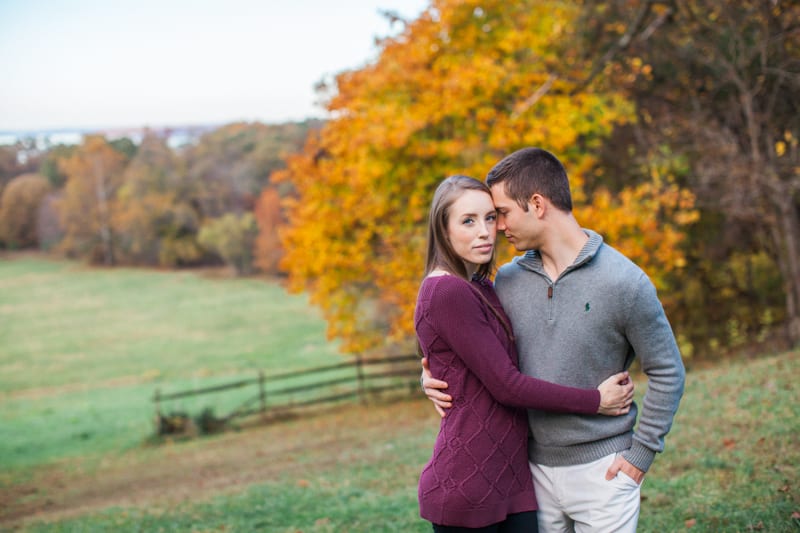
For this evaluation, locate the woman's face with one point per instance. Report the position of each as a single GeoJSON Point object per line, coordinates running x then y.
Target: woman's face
{"type": "Point", "coordinates": [472, 227]}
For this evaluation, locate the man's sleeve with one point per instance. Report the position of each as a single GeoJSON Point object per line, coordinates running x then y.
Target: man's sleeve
{"type": "Point", "coordinates": [653, 341]}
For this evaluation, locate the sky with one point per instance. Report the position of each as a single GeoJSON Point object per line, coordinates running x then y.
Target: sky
{"type": "Point", "coordinates": [133, 63]}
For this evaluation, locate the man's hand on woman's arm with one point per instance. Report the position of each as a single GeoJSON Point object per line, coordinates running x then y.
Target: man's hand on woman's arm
{"type": "Point", "coordinates": [616, 395]}
{"type": "Point", "coordinates": [433, 387]}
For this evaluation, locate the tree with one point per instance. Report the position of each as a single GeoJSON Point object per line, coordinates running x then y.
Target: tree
{"type": "Point", "coordinates": [48, 223]}
{"type": "Point", "coordinates": [19, 203]}
{"type": "Point", "coordinates": [231, 237]}
{"type": "Point", "coordinates": [718, 82]}
{"type": "Point", "coordinates": [230, 165]}
{"type": "Point", "coordinates": [457, 89]}
{"type": "Point", "coordinates": [10, 165]}
{"type": "Point", "coordinates": [156, 222]}
{"type": "Point", "coordinates": [87, 208]}
{"type": "Point", "coordinates": [50, 164]}
{"type": "Point", "coordinates": [270, 219]}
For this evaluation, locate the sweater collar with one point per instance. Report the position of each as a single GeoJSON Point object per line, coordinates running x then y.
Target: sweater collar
{"type": "Point", "coordinates": [532, 260]}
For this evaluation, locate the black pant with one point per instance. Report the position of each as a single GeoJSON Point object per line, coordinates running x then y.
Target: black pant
{"type": "Point", "coordinates": [514, 523]}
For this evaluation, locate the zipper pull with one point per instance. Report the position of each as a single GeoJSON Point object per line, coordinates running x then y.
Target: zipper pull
{"type": "Point", "coordinates": [550, 291]}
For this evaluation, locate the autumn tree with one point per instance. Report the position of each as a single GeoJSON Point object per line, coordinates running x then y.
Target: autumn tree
{"type": "Point", "coordinates": [8, 165]}
{"type": "Point", "coordinates": [232, 237]}
{"type": "Point", "coordinates": [49, 166]}
{"type": "Point", "coordinates": [457, 89]}
{"type": "Point", "coordinates": [88, 205]}
{"type": "Point", "coordinates": [230, 165]}
{"type": "Point", "coordinates": [269, 216]}
{"type": "Point", "coordinates": [19, 204]}
{"type": "Point", "coordinates": [157, 222]}
{"type": "Point", "coordinates": [717, 84]}
{"type": "Point", "coordinates": [49, 229]}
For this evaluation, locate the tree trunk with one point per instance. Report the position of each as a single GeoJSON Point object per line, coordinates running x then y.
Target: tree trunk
{"type": "Point", "coordinates": [786, 234]}
{"type": "Point", "coordinates": [106, 235]}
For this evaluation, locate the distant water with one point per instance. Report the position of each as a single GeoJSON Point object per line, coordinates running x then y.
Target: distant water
{"type": "Point", "coordinates": [44, 139]}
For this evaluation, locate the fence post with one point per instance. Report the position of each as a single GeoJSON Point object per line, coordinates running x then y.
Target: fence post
{"type": "Point", "coordinates": [262, 394]}
{"type": "Point", "coordinates": [157, 401]}
{"type": "Point", "coordinates": [360, 376]}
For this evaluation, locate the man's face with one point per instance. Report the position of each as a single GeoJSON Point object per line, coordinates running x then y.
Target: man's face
{"type": "Point", "coordinates": [518, 225]}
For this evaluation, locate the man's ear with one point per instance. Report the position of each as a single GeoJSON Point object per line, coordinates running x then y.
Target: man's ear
{"type": "Point", "coordinates": [538, 204]}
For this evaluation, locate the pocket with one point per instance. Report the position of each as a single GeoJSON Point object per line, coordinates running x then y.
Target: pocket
{"type": "Point", "coordinates": [623, 477]}
{"type": "Point", "coordinates": [628, 479]}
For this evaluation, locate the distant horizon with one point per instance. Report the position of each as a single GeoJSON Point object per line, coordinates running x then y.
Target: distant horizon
{"type": "Point", "coordinates": [92, 65]}
{"type": "Point", "coordinates": [193, 125]}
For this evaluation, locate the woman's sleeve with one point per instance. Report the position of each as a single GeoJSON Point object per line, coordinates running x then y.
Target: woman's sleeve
{"type": "Point", "coordinates": [458, 315]}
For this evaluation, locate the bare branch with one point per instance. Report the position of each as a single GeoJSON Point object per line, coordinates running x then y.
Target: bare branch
{"type": "Point", "coordinates": [653, 26]}
{"type": "Point", "coordinates": [622, 44]}
{"type": "Point", "coordinates": [532, 99]}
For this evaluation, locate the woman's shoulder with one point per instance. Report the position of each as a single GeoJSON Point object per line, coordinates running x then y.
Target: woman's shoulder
{"type": "Point", "coordinates": [452, 290]}
{"type": "Point", "coordinates": [444, 280]}
{"type": "Point", "coordinates": [445, 285]}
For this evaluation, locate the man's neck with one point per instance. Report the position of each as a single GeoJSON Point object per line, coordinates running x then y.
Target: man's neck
{"type": "Point", "coordinates": [565, 241]}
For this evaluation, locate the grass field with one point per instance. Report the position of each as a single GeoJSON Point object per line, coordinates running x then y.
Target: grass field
{"type": "Point", "coordinates": [74, 423]}
{"type": "Point", "coordinates": [83, 349]}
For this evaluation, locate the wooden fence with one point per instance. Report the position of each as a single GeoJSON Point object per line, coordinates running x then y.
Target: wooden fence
{"type": "Point", "coordinates": [288, 393]}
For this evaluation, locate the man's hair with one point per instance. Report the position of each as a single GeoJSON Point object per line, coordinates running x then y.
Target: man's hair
{"type": "Point", "coordinates": [530, 171]}
{"type": "Point", "coordinates": [440, 251]}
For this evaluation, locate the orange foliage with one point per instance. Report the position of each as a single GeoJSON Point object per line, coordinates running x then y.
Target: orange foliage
{"type": "Point", "coordinates": [268, 251]}
{"type": "Point", "coordinates": [88, 205]}
{"type": "Point", "coordinates": [644, 223]}
{"type": "Point", "coordinates": [19, 202]}
{"type": "Point", "coordinates": [460, 87]}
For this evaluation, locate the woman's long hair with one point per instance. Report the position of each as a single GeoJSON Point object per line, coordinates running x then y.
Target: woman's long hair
{"type": "Point", "coordinates": [440, 251]}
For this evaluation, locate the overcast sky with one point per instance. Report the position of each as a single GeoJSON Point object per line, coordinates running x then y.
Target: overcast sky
{"type": "Point", "coordinates": [132, 63]}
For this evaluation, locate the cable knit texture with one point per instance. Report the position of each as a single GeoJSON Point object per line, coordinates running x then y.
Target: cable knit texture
{"type": "Point", "coordinates": [478, 473]}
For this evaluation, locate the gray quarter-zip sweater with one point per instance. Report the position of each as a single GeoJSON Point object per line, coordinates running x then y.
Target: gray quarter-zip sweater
{"type": "Point", "coordinates": [598, 316]}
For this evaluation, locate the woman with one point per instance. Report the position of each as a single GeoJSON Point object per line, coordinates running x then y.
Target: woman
{"type": "Point", "coordinates": [478, 477]}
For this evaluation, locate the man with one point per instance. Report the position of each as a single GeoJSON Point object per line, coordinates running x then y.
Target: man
{"type": "Point", "coordinates": [581, 311]}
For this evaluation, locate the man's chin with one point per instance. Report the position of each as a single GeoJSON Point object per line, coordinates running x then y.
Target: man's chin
{"type": "Point", "coordinates": [513, 242]}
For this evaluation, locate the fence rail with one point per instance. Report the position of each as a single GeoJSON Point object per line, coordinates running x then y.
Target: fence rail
{"type": "Point", "coordinates": [363, 379]}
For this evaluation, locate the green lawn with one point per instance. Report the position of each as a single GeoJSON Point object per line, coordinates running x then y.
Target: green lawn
{"type": "Point", "coordinates": [731, 465]}
{"type": "Point", "coordinates": [82, 350]}
{"type": "Point", "coordinates": [72, 425]}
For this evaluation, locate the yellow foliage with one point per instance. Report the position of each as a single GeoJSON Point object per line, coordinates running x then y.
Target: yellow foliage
{"type": "Point", "coordinates": [88, 206]}
{"type": "Point", "coordinates": [463, 85]}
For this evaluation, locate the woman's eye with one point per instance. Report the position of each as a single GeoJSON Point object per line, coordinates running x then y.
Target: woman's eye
{"type": "Point", "coordinates": [468, 220]}
{"type": "Point", "coordinates": [492, 217]}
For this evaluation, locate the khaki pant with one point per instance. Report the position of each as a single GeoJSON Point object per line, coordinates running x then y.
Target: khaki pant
{"type": "Point", "coordinates": [578, 498]}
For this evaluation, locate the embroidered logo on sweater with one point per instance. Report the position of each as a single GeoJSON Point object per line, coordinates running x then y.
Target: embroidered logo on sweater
{"type": "Point", "coordinates": [587, 307]}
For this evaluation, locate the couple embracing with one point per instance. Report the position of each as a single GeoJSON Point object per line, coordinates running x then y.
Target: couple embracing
{"type": "Point", "coordinates": [528, 439]}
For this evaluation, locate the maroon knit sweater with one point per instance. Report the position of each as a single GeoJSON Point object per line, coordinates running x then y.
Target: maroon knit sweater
{"type": "Point", "coordinates": [478, 473]}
